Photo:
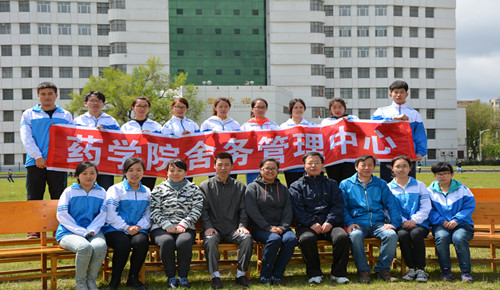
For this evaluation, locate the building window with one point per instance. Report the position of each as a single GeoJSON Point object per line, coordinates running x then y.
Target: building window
{"type": "Point", "coordinates": [414, 73]}
{"type": "Point", "coordinates": [103, 51]}
{"type": "Point", "coordinates": [65, 50]}
{"type": "Point", "coordinates": [255, 31]}
{"type": "Point", "coordinates": [117, 4]}
{"type": "Point", "coordinates": [199, 72]}
{"type": "Point", "coordinates": [218, 71]}
{"type": "Point", "coordinates": [430, 94]}
{"type": "Point", "coordinates": [65, 72]}
{"type": "Point", "coordinates": [316, 27]}
{"type": "Point", "coordinates": [236, 12]}
{"type": "Point", "coordinates": [119, 47]}
{"type": "Point", "coordinates": [363, 31]}
{"type": "Point", "coordinates": [237, 31]}
{"type": "Point", "coordinates": [316, 5]}
{"type": "Point", "coordinates": [413, 31]}
{"type": "Point", "coordinates": [102, 8]}
{"type": "Point", "coordinates": [218, 12]}
{"type": "Point", "coordinates": [329, 72]}
{"type": "Point", "coordinates": [218, 53]}
{"type": "Point", "coordinates": [381, 93]}
{"type": "Point", "coordinates": [345, 73]}
{"type": "Point", "coordinates": [363, 93]}
{"type": "Point", "coordinates": [237, 53]}
{"type": "Point", "coordinates": [43, 6]}
{"type": "Point", "coordinates": [24, 6]}
{"type": "Point", "coordinates": [27, 94]}
{"type": "Point", "coordinates": [26, 72]}
{"type": "Point", "coordinates": [345, 31]}
{"type": "Point", "coordinates": [199, 30]}
{"type": "Point", "coordinates": [413, 11]}
{"type": "Point", "coordinates": [317, 48]}
{"type": "Point", "coordinates": [84, 50]}
{"type": "Point", "coordinates": [45, 71]}
{"type": "Point", "coordinates": [317, 91]}
{"type": "Point", "coordinates": [8, 116]}
{"type": "Point", "coordinates": [123, 68]}
{"type": "Point", "coordinates": [255, 12]}
{"type": "Point", "coordinates": [24, 28]}
{"type": "Point", "coordinates": [429, 32]}
{"type": "Point", "coordinates": [381, 73]}
{"type": "Point", "coordinates": [180, 30]}
{"type": "Point", "coordinates": [64, 7]}
{"type": "Point", "coordinates": [328, 31]}
{"type": "Point", "coordinates": [218, 30]}
{"type": "Point", "coordinates": [381, 31]}
{"type": "Point", "coordinates": [414, 52]}
{"type": "Point", "coordinates": [398, 51]}
{"type": "Point", "coordinates": [363, 52]}
{"type": "Point", "coordinates": [398, 31]}
{"type": "Point", "coordinates": [414, 93]}
{"type": "Point", "coordinates": [346, 93]}
{"type": "Point", "coordinates": [6, 50]}
{"type": "Point", "coordinates": [8, 137]}
{"type": "Point", "coordinates": [121, 25]}
{"type": "Point", "coordinates": [363, 72]}
{"type": "Point", "coordinates": [7, 72]}
{"type": "Point", "coordinates": [8, 94]}
{"type": "Point", "coordinates": [329, 52]}
{"type": "Point", "coordinates": [362, 10]}
{"type": "Point", "coordinates": [256, 72]}
{"type": "Point", "coordinates": [318, 112]}
{"type": "Point", "coordinates": [429, 73]}
{"type": "Point", "coordinates": [83, 29]}
{"type": "Point", "coordinates": [430, 114]}
{"type": "Point", "coordinates": [364, 114]}
{"type": "Point", "coordinates": [64, 29]}
{"type": "Point", "coordinates": [4, 28]}
{"type": "Point", "coordinates": [429, 12]}
{"type": "Point", "coordinates": [4, 6]}
{"type": "Point", "coordinates": [45, 50]}
{"type": "Point", "coordinates": [345, 10]}
{"type": "Point", "coordinates": [103, 29]}
{"type": "Point", "coordinates": [398, 10]}
{"type": "Point", "coordinates": [431, 153]}
{"type": "Point", "coordinates": [237, 72]}
{"type": "Point", "coordinates": [65, 94]}
{"type": "Point", "coordinates": [328, 10]}
{"type": "Point", "coordinates": [329, 93]}
{"type": "Point", "coordinates": [180, 52]}
{"type": "Point", "coordinates": [84, 7]}
{"type": "Point", "coordinates": [85, 72]}
{"type": "Point", "coordinates": [179, 11]}
{"type": "Point", "coordinates": [380, 51]}
{"type": "Point", "coordinates": [317, 70]}
{"type": "Point", "coordinates": [44, 28]}
{"type": "Point", "coordinates": [101, 71]}
{"type": "Point", "coordinates": [398, 72]}
{"type": "Point", "coordinates": [429, 53]}
{"type": "Point", "coordinates": [380, 10]}
{"type": "Point", "coordinates": [345, 52]}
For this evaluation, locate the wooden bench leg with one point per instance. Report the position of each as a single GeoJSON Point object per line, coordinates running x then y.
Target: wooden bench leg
{"type": "Point", "coordinates": [43, 259]}
{"type": "Point", "coordinates": [105, 273]}
{"type": "Point", "coordinates": [142, 273]}
{"type": "Point", "coordinates": [493, 255]}
{"type": "Point", "coordinates": [53, 272]}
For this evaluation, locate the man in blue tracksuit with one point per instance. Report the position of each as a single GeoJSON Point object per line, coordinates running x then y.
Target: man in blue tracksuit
{"type": "Point", "coordinates": [370, 210]}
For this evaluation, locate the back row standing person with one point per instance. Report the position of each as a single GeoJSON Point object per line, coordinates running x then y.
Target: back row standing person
{"type": "Point", "coordinates": [179, 124]}
{"type": "Point", "coordinates": [35, 126]}
{"type": "Point", "coordinates": [220, 120]}
{"type": "Point", "coordinates": [96, 118]}
{"type": "Point", "coordinates": [399, 110]}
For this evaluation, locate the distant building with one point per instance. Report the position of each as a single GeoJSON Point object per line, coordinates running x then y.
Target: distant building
{"type": "Point", "coordinates": [495, 103]}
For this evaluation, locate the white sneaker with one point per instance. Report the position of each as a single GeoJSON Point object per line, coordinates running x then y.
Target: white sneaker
{"type": "Point", "coordinates": [421, 276]}
{"type": "Point", "coordinates": [316, 280]}
{"type": "Point", "coordinates": [410, 275]}
{"type": "Point", "coordinates": [340, 280]}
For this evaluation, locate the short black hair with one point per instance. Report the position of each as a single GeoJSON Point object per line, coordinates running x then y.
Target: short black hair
{"type": "Point", "coordinates": [292, 104]}
{"type": "Point", "coordinates": [254, 103]}
{"type": "Point", "coordinates": [398, 85]}
{"type": "Point", "coordinates": [179, 163]}
{"type": "Point", "coordinates": [46, 85]}
{"type": "Point", "coordinates": [131, 161]}
{"type": "Point", "coordinates": [363, 158]}
{"type": "Point", "coordinates": [403, 157]}
{"type": "Point", "coordinates": [223, 155]}
{"type": "Point", "coordinates": [313, 154]}
{"type": "Point", "coordinates": [441, 166]}
{"type": "Point", "coordinates": [82, 167]}
{"type": "Point", "coordinates": [98, 94]}
{"type": "Point", "coordinates": [269, 159]}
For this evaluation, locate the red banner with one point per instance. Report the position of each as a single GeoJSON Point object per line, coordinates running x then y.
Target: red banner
{"type": "Point", "coordinates": [342, 141]}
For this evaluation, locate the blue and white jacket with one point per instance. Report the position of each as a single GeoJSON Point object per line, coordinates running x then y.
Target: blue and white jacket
{"type": "Point", "coordinates": [215, 123]}
{"type": "Point", "coordinates": [35, 125]}
{"type": "Point", "coordinates": [290, 123]}
{"type": "Point", "coordinates": [457, 204]}
{"type": "Point", "coordinates": [133, 126]}
{"type": "Point", "coordinates": [367, 204]}
{"type": "Point", "coordinates": [175, 126]}
{"type": "Point", "coordinates": [414, 201]}
{"type": "Point", "coordinates": [80, 212]}
{"type": "Point", "coordinates": [332, 119]}
{"type": "Point", "coordinates": [417, 126]}
{"type": "Point", "coordinates": [254, 126]}
{"type": "Point", "coordinates": [127, 207]}
{"type": "Point", "coordinates": [87, 120]}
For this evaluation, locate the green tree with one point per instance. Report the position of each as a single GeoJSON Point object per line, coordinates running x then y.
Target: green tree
{"type": "Point", "coordinates": [149, 80]}
{"type": "Point", "coordinates": [480, 117]}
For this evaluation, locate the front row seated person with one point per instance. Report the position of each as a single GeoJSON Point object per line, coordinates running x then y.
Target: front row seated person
{"type": "Point", "coordinates": [366, 200]}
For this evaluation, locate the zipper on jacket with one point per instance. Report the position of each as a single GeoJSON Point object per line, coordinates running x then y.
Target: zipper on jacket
{"type": "Point", "coordinates": [368, 206]}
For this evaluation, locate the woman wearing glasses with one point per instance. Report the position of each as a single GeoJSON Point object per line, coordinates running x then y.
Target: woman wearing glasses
{"type": "Point", "coordinates": [179, 125]}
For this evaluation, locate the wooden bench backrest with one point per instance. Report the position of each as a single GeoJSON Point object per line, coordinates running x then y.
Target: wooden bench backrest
{"type": "Point", "coordinates": [28, 216]}
{"type": "Point", "coordinates": [486, 194]}
{"type": "Point", "coordinates": [487, 213]}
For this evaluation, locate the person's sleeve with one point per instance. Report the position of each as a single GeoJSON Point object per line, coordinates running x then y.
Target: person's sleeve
{"type": "Point", "coordinates": [348, 220]}
{"type": "Point", "coordinates": [205, 214]}
{"type": "Point", "coordinates": [204, 127]}
{"type": "Point", "coordinates": [420, 138]}
{"type": "Point", "coordinates": [145, 221]}
{"type": "Point", "coordinates": [157, 212]}
{"type": "Point", "coordinates": [301, 215]}
{"type": "Point", "coordinates": [425, 205]}
{"type": "Point", "coordinates": [252, 208]}
{"type": "Point", "coordinates": [196, 127]}
{"type": "Point", "coordinates": [195, 212]}
{"type": "Point", "coordinates": [435, 217]}
{"type": "Point", "coordinates": [113, 126]}
{"type": "Point", "coordinates": [96, 225]}
{"type": "Point", "coordinates": [27, 137]}
{"type": "Point", "coordinates": [336, 214]}
{"type": "Point", "coordinates": [112, 203]}
{"type": "Point", "coordinates": [378, 116]}
{"type": "Point", "coordinates": [65, 218]}
{"type": "Point", "coordinates": [392, 206]}
{"type": "Point", "coordinates": [464, 215]}
{"type": "Point", "coordinates": [166, 130]}
{"type": "Point", "coordinates": [287, 216]}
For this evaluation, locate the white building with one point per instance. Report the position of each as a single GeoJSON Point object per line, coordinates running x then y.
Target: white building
{"type": "Point", "coordinates": [309, 49]}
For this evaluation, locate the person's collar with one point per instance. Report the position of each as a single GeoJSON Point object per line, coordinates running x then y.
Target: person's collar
{"type": "Point", "coordinates": [396, 105]}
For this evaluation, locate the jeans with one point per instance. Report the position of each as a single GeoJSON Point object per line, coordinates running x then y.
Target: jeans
{"type": "Point", "coordinates": [168, 244]}
{"type": "Point", "coordinates": [90, 253]}
{"type": "Point", "coordinates": [460, 237]}
{"type": "Point", "coordinates": [412, 246]}
{"type": "Point", "coordinates": [273, 242]}
{"type": "Point", "coordinates": [389, 240]}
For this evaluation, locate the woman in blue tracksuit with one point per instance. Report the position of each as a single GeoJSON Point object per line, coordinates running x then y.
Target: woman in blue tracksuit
{"type": "Point", "coordinates": [127, 223]}
{"type": "Point", "coordinates": [81, 214]}
{"type": "Point", "coordinates": [220, 121]}
{"type": "Point", "coordinates": [179, 125]}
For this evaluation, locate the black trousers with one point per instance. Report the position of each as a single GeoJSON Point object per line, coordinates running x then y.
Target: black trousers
{"type": "Point", "coordinates": [122, 244]}
{"type": "Point", "coordinates": [341, 171]}
{"type": "Point", "coordinates": [37, 178]}
{"type": "Point", "coordinates": [168, 243]}
{"type": "Point", "coordinates": [386, 172]}
{"type": "Point", "coordinates": [412, 246]}
{"type": "Point", "coordinates": [308, 241]}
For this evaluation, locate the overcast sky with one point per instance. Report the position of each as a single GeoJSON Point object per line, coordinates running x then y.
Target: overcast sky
{"type": "Point", "coordinates": [478, 49]}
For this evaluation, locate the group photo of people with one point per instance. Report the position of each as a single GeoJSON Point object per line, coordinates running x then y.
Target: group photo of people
{"type": "Point", "coordinates": [344, 203]}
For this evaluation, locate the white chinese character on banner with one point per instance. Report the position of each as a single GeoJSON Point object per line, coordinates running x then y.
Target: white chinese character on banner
{"type": "Point", "coordinates": [274, 147]}
{"type": "Point", "coordinates": [374, 141]}
{"type": "Point", "coordinates": [237, 150]}
{"type": "Point", "coordinates": [342, 140]}
{"type": "Point", "coordinates": [81, 146]}
{"type": "Point", "coordinates": [123, 150]}
{"type": "Point", "coordinates": [312, 143]}
{"type": "Point", "coordinates": [160, 155]}
{"type": "Point", "coordinates": [199, 156]}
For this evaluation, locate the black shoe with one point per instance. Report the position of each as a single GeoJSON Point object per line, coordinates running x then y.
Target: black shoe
{"type": "Point", "coordinates": [135, 283]}
{"type": "Point", "coordinates": [216, 283]}
{"type": "Point", "coordinates": [243, 281]}
{"type": "Point", "coordinates": [172, 283]}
